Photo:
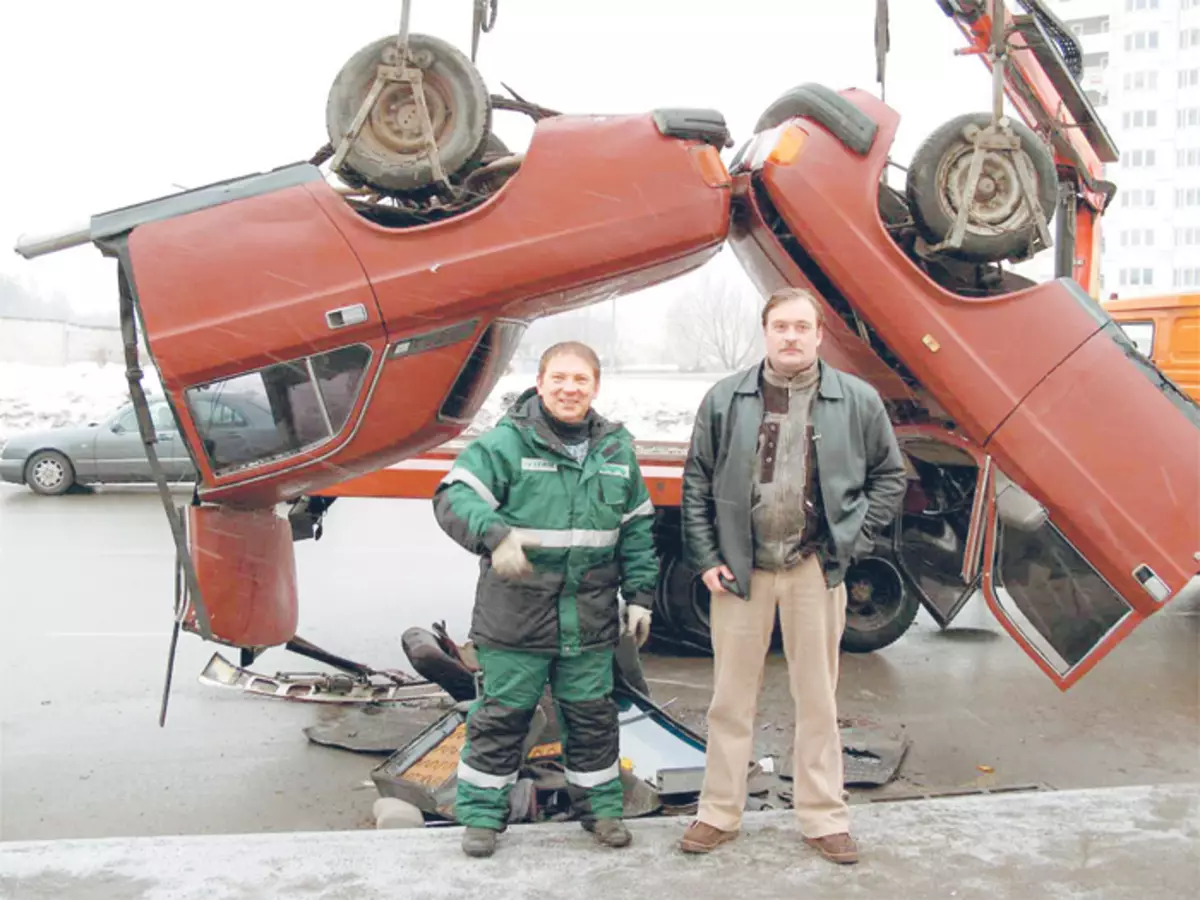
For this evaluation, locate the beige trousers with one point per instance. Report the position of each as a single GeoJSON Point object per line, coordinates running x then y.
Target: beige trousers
{"type": "Point", "coordinates": [812, 618]}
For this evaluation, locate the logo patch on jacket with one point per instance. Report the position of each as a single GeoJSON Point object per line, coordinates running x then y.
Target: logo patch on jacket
{"type": "Point", "coordinates": [614, 469]}
{"type": "Point", "coordinates": [533, 464]}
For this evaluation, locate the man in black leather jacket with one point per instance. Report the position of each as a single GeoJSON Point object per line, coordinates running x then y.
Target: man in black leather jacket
{"type": "Point", "coordinates": [792, 471]}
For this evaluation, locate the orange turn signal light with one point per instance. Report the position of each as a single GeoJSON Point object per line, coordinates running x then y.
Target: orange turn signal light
{"type": "Point", "coordinates": [709, 164]}
{"type": "Point", "coordinates": [789, 145]}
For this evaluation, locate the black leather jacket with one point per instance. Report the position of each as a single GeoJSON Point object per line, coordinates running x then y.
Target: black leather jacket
{"type": "Point", "coordinates": [860, 470]}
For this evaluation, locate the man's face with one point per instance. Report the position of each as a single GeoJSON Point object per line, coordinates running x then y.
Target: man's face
{"type": "Point", "coordinates": [567, 387]}
{"type": "Point", "coordinates": [792, 336]}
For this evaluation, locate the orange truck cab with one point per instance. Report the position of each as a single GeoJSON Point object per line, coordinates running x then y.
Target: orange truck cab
{"type": "Point", "coordinates": [1166, 330]}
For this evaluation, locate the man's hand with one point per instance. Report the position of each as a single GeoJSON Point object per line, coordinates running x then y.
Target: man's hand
{"type": "Point", "coordinates": [508, 559]}
{"type": "Point", "coordinates": [637, 623]}
{"type": "Point", "coordinates": [711, 578]}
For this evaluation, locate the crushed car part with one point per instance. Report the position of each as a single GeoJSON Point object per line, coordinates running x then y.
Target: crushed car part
{"type": "Point", "coordinates": [378, 728]}
{"type": "Point", "coordinates": [315, 687]}
{"type": "Point", "coordinates": [429, 658]}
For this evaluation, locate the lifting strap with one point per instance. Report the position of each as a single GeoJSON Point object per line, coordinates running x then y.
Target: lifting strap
{"type": "Point", "coordinates": [133, 374]}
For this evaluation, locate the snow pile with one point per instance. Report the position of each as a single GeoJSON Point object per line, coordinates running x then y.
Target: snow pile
{"type": "Point", "coordinates": [35, 397]}
{"type": "Point", "coordinates": [653, 406]}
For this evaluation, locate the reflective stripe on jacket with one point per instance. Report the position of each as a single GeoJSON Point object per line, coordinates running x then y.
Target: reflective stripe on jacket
{"type": "Point", "coordinates": [591, 520]}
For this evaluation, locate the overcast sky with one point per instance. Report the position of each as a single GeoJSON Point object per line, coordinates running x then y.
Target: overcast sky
{"type": "Point", "coordinates": [112, 103]}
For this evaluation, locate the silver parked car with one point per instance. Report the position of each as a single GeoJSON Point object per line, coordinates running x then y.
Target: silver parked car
{"type": "Point", "coordinates": [50, 461]}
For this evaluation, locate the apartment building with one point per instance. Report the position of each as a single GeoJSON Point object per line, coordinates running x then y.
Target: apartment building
{"type": "Point", "coordinates": [1142, 72]}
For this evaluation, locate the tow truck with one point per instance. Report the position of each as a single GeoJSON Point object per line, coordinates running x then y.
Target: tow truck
{"type": "Point", "coordinates": [330, 328]}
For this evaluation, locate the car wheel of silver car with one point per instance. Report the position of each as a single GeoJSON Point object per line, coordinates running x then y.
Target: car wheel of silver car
{"type": "Point", "coordinates": [1000, 224]}
{"type": "Point", "coordinates": [389, 152]}
{"type": "Point", "coordinates": [50, 473]}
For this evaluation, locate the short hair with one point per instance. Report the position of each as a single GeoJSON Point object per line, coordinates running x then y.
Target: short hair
{"type": "Point", "coordinates": [570, 348]}
{"type": "Point", "coordinates": [784, 294]}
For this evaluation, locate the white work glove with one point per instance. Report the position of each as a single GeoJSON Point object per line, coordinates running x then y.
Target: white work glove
{"type": "Point", "coordinates": [508, 559]}
{"type": "Point", "coordinates": [637, 623]}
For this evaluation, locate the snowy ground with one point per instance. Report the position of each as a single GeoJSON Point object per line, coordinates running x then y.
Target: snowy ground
{"type": "Point", "coordinates": [653, 406]}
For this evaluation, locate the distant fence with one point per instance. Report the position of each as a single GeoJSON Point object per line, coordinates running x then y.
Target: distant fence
{"type": "Point", "coordinates": [48, 343]}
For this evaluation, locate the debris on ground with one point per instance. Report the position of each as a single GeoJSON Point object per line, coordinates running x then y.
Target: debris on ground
{"type": "Point", "coordinates": [315, 687]}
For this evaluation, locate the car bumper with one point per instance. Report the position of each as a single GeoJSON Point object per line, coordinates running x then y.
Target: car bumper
{"type": "Point", "coordinates": [12, 470]}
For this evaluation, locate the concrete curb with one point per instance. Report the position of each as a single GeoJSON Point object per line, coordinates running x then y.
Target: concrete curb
{"type": "Point", "coordinates": [1137, 842]}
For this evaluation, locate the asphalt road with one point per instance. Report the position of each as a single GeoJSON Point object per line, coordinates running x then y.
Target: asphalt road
{"type": "Point", "coordinates": [85, 614]}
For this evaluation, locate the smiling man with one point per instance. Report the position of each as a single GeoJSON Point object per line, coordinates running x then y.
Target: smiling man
{"type": "Point", "coordinates": [793, 470]}
{"type": "Point", "coordinates": [553, 502]}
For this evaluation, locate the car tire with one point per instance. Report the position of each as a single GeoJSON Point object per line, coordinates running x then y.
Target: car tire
{"type": "Point", "coordinates": [49, 473]}
{"type": "Point", "coordinates": [1004, 228]}
{"type": "Point", "coordinates": [878, 608]}
{"type": "Point", "coordinates": [388, 154]}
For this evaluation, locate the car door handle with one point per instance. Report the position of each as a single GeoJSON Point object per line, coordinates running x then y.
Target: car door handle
{"type": "Point", "coordinates": [355, 314]}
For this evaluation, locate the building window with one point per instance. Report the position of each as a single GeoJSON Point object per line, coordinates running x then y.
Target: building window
{"type": "Point", "coordinates": [1187, 237]}
{"type": "Point", "coordinates": [1188, 118]}
{"type": "Point", "coordinates": [1139, 159]}
{"type": "Point", "coordinates": [1138, 197]}
{"type": "Point", "coordinates": [1189, 78]}
{"type": "Point", "coordinates": [1137, 277]}
{"type": "Point", "coordinates": [1187, 159]}
{"type": "Point", "coordinates": [1189, 37]}
{"type": "Point", "coordinates": [1090, 25]}
{"type": "Point", "coordinates": [1140, 118]}
{"type": "Point", "coordinates": [1097, 98]}
{"type": "Point", "coordinates": [1141, 81]}
{"type": "Point", "coordinates": [1139, 5]}
{"type": "Point", "coordinates": [1142, 40]}
{"type": "Point", "coordinates": [1186, 278]}
{"type": "Point", "coordinates": [1095, 61]}
{"type": "Point", "coordinates": [1187, 197]}
{"type": "Point", "coordinates": [1137, 237]}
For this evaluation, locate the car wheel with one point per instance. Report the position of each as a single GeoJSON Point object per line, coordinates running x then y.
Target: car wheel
{"type": "Point", "coordinates": [1000, 224]}
{"type": "Point", "coordinates": [49, 472]}
{"type": "Point", "coordinates": [389, 152]}
{"type": "Point", "coordinates": [878, 608]}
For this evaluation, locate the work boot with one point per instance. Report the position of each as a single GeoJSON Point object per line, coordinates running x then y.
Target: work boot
{"type": "Point", "coordinates": [839, 848]}
{"type": "Point", "coordinates": [701, 837]}
{"type": "Point", "coordinates": [609, 832]}
{"type": "Point", "coordinates": [478, 841]}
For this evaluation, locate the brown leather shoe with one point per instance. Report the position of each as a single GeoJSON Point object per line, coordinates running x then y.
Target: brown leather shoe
{"type": "Point", "coordinates": [838, 848]}
{"type": "Point", "coordinates": [701, 837]}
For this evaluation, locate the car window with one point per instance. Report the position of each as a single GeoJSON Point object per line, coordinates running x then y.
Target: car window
{"type": "Point", "coordinates": [164, 420]}
{"type": "Point", "coordinates": [1142, 336]}
{"type": "Point", "coordinates": [1048, 590]}
{"type": "Point", "coordinates": [278, 411]}
{"type": "Point", "coordinates": [128, 420]}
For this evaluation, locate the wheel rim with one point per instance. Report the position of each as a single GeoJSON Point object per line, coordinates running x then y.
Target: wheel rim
{"type": "Point", "coordinates": [395, 120]}
{"type": "Point", "coordinates": [873, 596]}
{"type": "Point", "coordinates": [997, 205]}
{"type": "Point", "coordinates": [48, 473]}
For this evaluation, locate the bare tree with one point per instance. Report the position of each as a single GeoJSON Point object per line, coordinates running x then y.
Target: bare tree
{"type": "Point", "coordinates": [715, 325]}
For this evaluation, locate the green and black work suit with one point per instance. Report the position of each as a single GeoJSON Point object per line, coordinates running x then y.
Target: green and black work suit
{"type": "Point", "coordinates": [579, 492]}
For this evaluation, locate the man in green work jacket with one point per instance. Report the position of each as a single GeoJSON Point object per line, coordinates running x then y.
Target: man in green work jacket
{"type": "Point", "coordinates": [553, 502]}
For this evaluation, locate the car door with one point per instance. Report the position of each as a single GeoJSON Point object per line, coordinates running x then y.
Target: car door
{"type": "Point", "coordinates": [120, 455]}
{"type": "Point", "coordinates": [171, 450]}
{"type": "Point", "coordinates": [939, 544]}
{"type": "Point", "coordinates": [1096, 509]}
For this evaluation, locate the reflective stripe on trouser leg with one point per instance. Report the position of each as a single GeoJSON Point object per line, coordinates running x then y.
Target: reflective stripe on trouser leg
{"type": "Point", "coordinates": [582, 687]}
{"type": "Point", "coordinates": [496, 727]}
